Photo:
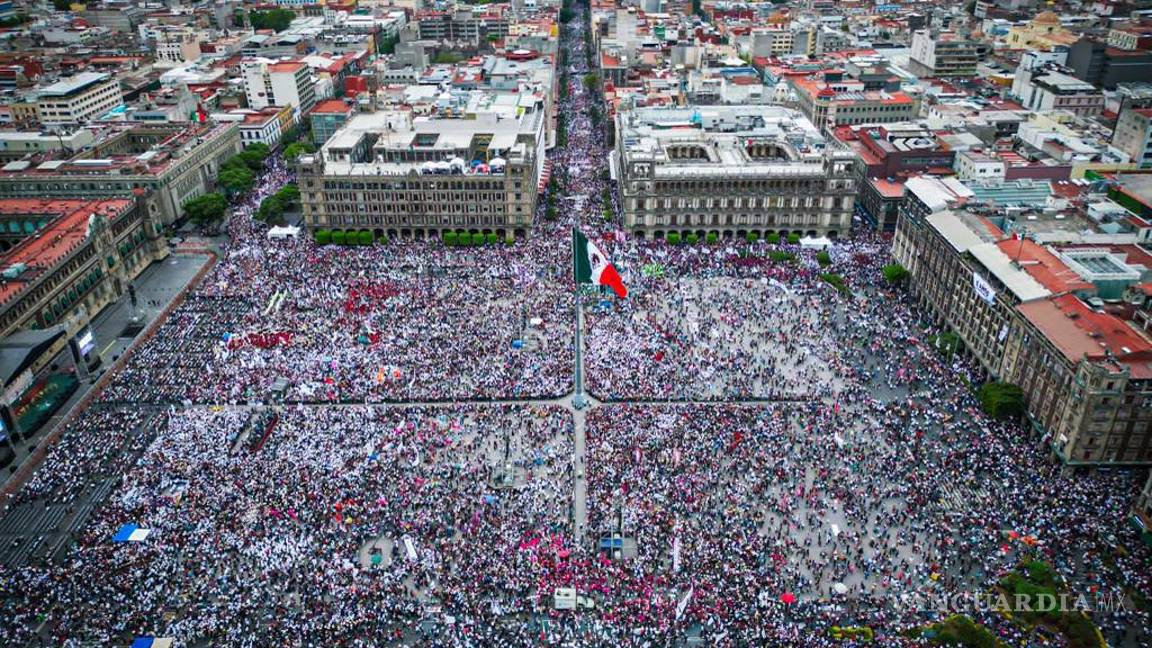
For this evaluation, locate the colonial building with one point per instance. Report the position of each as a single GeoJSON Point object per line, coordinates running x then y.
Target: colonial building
{"type": "Point", "coordinates": [730, 170]}
{"type": "Point", "coordinates": [388, 173]}
{"type": "Point", "coordinates": [173, 163]}
{"type": "Point", "coordinates": [83, 257]}
{"type": "Point", "coordinates": [1033, 315]}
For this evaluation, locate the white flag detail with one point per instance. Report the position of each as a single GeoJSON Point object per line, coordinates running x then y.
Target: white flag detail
{"type": "Point", "coordinates": [683, 604]}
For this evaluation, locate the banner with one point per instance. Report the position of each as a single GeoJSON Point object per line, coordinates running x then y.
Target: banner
{"type": "Point", "coordinates": [983, 289]}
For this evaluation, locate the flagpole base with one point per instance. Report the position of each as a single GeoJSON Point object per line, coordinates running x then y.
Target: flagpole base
{"type": "Point", "coordinates": [579, 401]}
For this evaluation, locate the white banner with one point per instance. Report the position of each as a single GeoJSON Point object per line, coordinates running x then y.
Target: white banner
{"type": "Point", "coordinates": [983, 289]}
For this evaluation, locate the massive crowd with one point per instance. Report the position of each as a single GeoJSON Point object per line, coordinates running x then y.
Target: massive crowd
{"type": "Point", "coordinates": [870, 480]}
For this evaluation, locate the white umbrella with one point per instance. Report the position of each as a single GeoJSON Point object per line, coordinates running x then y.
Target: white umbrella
{"type": "Point", "coordinates": [840, 588]}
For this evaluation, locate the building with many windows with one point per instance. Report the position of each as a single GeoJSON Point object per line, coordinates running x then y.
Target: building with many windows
{"type": "Point", "coordinates": [391, 174]}
{"type": "Point", "coordinates": [82, 257]}
{"type": "Point", "coordinates": [1034, 315]}
{"type": "Point", "coordinates": [731, 170]}
{"type": "Point", "coordinates": [944, 54]}
{"type": "Point", "coordinates": [1133, 135]}
{"type": "Point", "coordinates": [279, 83]}
{"type": "Point", "coordinates": [78, 99]}
{"type": "Point", "coordinates": [172, 163]}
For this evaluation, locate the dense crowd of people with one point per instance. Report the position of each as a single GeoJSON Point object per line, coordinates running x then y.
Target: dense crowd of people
{"type": "Point", "coordinates": [374, 506]}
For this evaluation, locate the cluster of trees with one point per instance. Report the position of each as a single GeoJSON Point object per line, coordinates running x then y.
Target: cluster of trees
{"type": "Point", "coordinates": [1002, 400]}
{"type": "Point", "coordinates": [447, 58]}
{"type": "Point", "coordinates": [780, 256]}
{"type": "Point", "coordinates": [341, 237]}
{"type": "Point", "coordinates": [206, 210]}
{"type": "Point", "coordinates": [465, 239]}
{"type": "Point", "coordinates": [272, 208]}
{"type": "Point", "coordinates": [62, 5]}
{"type": "Point", "coordinates": [1038, 583]}
{"type": "Point", "coordinates": [238, 174]}
{"type": "Point", "coordinates": [13, 21]}
{"type": "Point", "coordinates": [275, 19]}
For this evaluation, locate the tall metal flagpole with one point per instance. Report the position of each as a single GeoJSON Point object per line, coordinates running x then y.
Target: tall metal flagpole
{"type": "Point", "coordinates": [578, 401]}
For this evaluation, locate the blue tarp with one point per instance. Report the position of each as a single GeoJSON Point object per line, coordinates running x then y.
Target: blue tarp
{"type": "Point", "coordinates": [142, 642]}
{"type": "Point", "coordinates": [122, 535]}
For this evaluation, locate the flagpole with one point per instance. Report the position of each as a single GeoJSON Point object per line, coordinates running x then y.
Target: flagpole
{"type": "Point", "coordinates": [578, 401]}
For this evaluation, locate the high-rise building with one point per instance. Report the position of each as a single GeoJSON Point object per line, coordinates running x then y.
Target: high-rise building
{"type": "Point", "coordinates": [944, 54]}
{"type": "Point", "coordinates": [279, 83]}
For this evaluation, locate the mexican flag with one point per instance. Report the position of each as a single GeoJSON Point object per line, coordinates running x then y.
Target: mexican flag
{"type": "Point", "coordinates": [592, 266]}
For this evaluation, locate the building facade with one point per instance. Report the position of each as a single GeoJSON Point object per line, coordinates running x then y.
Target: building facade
{"type": "Point", "coordinates": [1133, 135]}
{"type": "Point", "coordinates": [731, 170]}
{"type": "Point", "coordinates": [84, 97]}
{"type": "Point", "coordinates": [943, 54]}
{"type": "Point", "coordinates": [88, 253]}
{"type": "Point", "coordinates": [171, 163]}
{"type": "Point", "coordinates": [393, 175]}
{"type": "Point", "coordinates": [1021, 310]}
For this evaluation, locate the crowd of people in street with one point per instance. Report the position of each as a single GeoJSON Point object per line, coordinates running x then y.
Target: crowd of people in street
{"type": "Point", "coordinates": [769, 455]}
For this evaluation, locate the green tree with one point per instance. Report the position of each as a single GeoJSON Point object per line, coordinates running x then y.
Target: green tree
{"type": "Point", "coordinates": [275, 19]}
{"type": "Point", "coordinates": [236, 180]}
{"type": "Point", "coordinates": [296, 149]}
{"type": "Point", "coordinates": [271, 210]}
{"type": "Point", "coordinates": [566, 15]}
{"type": "Point", "coordinates": [793, 238]}
{"type": "Point", "coordinates": [492, 238]}
{"type": "Point", "coordinates": [673, 238]}
{"type": "Point", "coordinates": [62, 5]}
{"type": "Point", "coordinates": [823, 258]}
{"type": "Point", "coordinates": [711, 238]}
{"type": "Point", "coordinates": [289, 195]}
{"type": "Point", "coordinates": [751, 237]}
{"type": "Point", "coordinates": [1002, 400]}
{"type": "Point", "coordinates": [339, 237]}
{"type": "Point", "coordinates": [894, 273]}
{"type": "Point", "coordinates": [323, 237]}
{"type": "Point", "coordinates": [477, 239]}
{"type": "Point", "coordinates": [449, 238]}
{"type": "Point", "coordinates": [591, 81]}
{"type": "Point", "coordinates": [772, 238]}
{"type": "Point", "coordinates": [365, 237]}
{"type": "Point", "coordinates": [692, 238]}
{"type": "Point", "coordinates": [206, 210]}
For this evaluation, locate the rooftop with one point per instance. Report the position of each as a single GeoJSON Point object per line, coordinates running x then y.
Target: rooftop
{"type": "Point", "coordinates": [66, 231]}
{"type": "Point", "coordinates": [66, 87]}
{"type": "Point", "coordinates": [1080, 332]}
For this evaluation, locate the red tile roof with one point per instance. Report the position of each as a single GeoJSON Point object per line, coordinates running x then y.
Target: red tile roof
{"type": "Point", "coordinates": [1043, 266]}
{"type": "Point", "coordinates": [66, 231]}
{"type": "Point", "coordinates": [1078, 332]}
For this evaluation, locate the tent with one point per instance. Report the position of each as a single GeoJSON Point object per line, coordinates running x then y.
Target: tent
{"type": "Point", "coordinates": [131, 533]}
{"type": "Point", "coordinates": [286, 232]}
{"type": "Point", "coordinates": [819, 243]}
